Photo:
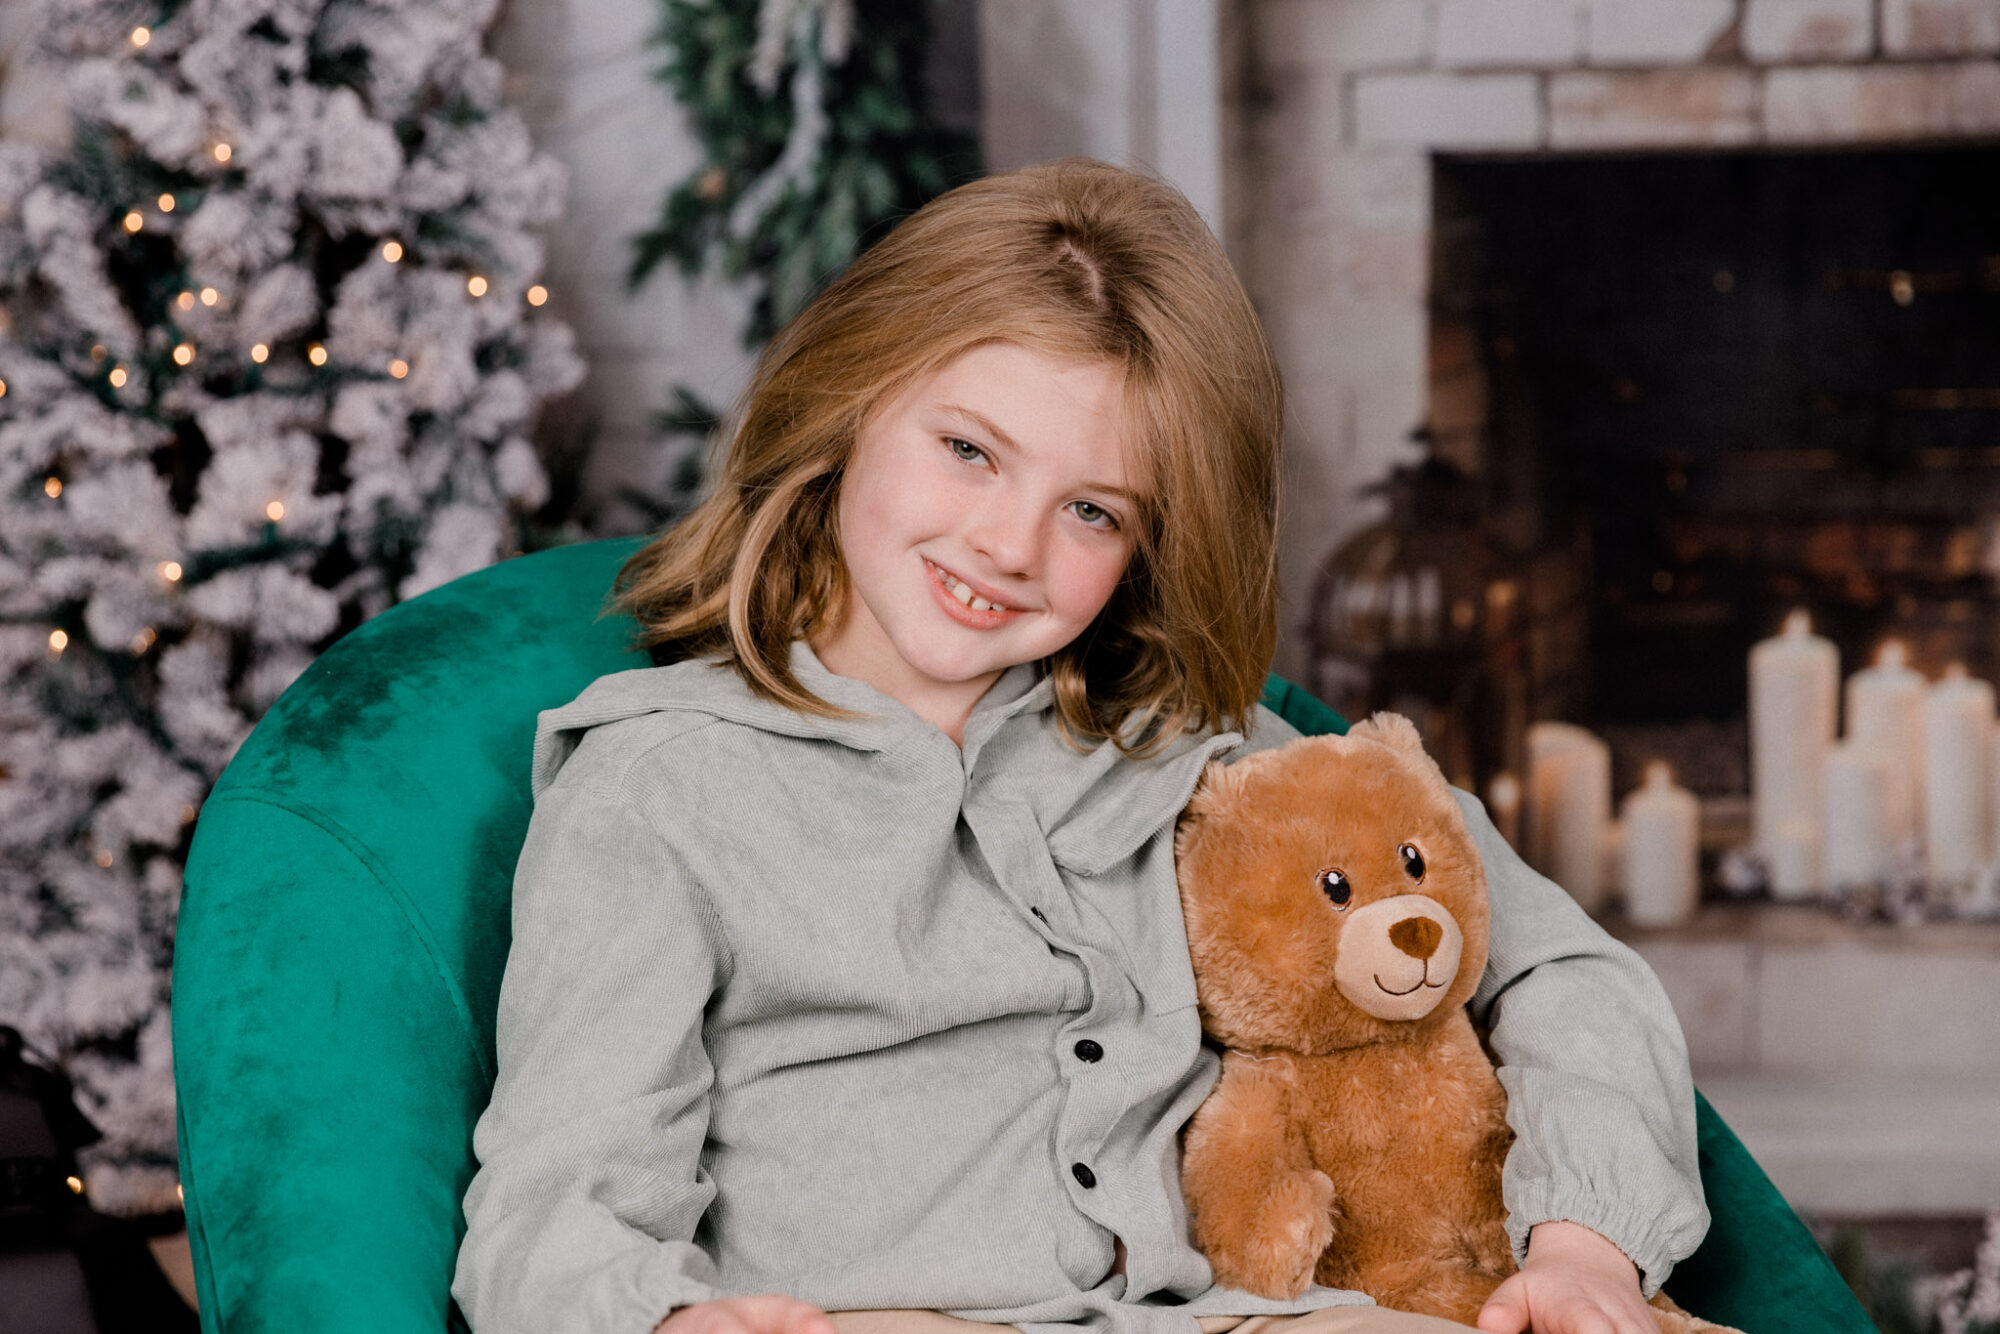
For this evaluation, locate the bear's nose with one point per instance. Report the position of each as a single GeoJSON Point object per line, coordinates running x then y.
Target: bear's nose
{"type": "Point", "coordinates": [1417, 937]}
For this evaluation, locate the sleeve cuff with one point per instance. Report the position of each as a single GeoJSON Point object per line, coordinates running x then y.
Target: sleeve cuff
{"type": "Point", "coordinates": [1655, 1242]}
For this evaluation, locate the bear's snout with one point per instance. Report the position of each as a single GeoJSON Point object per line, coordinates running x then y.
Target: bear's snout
{"type": "Point", "coordinates": [1417, 937]}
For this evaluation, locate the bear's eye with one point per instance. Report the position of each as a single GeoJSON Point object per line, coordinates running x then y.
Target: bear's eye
{"type": "Point", "coordinates": [1413, 862]}
{"type": "Point", "coordinates": [1334, 885]}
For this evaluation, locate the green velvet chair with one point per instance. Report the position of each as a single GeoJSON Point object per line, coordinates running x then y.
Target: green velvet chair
{"type": "Point", "coordinates": [342, 933]}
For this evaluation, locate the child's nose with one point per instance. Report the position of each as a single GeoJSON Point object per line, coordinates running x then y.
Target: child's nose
{"type": "Point", "coordinates": [1010, 538]}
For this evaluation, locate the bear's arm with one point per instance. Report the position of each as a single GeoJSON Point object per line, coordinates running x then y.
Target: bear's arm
{"type": "Point", "coordinates": [1259, 1209]}
{"type": "Point", "coordinates": [1596, 1071]}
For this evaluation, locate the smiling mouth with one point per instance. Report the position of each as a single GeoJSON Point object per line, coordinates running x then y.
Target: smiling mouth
{"type": "Point", "coordinates": [1421, 982]}
{"type": "Point", "coordinates": [962, 591]}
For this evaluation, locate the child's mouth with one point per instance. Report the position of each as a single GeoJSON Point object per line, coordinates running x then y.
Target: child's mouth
{"type": "Point", "coordinates": [965, 603]}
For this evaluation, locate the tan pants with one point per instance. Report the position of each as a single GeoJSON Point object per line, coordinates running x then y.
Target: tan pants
{"type": "Point", "coordinates": [1333, 1320]}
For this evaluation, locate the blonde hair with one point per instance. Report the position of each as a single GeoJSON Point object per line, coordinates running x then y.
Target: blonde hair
{"type": "Point", "coordinates": [1076, 259]}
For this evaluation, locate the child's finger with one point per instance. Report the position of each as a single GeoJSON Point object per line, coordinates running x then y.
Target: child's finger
{"type": "Point", "coordinates": [1506, 1311]}
{"type": "Point", "coordinates": [780, 1315]}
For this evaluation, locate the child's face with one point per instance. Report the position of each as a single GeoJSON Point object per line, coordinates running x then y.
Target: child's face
{"type": "Point", "coordinates": [1000, 476]}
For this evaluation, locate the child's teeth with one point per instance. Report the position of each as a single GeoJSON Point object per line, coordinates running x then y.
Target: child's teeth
{"type": "Point", "coordinates": [980, 604]}
{"type": "Point", "coordinates": [963, 592]}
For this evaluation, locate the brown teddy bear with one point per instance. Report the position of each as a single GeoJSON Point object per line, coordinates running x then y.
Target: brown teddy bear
{"type": "Point", "coordinates": [1337, 916]}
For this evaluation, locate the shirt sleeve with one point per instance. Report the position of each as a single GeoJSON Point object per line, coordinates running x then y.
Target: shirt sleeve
{"type": "Point", "coordinates": [581, 1216]}
{"type": "Point", "coordinates": [1595, 1068]}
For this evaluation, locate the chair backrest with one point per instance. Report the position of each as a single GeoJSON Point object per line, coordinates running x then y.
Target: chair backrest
{"type": "Point", "coordinates": [343, 928]}
{"type": "Point", "coordinates": [345, 922]}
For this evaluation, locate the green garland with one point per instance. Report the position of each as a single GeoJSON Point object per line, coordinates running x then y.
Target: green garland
{"type": "Point", "coordinates": [875, 155]}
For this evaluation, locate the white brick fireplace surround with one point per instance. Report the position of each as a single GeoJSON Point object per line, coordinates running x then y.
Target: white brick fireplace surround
{"type": "Point", "coordinates": [1861, 1064]}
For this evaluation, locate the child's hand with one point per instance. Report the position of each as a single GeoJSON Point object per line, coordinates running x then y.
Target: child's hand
{"type": "Point", "coordinates": [1574, 1282]}
{"type": "Point", "coordinates": [747, 1315]}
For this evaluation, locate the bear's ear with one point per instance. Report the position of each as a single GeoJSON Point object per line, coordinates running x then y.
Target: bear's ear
{"type": "Point", "coordinates": [1392, 730]}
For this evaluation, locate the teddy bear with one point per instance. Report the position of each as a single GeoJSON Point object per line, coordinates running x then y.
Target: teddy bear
{"type": "Point", "coordinates": [1337, 917]}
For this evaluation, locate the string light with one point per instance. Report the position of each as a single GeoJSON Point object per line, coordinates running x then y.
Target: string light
{"type": "Point", "coordinates": [170, 570]}
{"type": "Point", "coordinates": [392, 251]}
{"type": "Point", "coordinates": [97, 352]}
{"type": "Point", "coordinates": [117, 377]}
{"type": "Point", "coordinates": [183, 354]}
{"type": "Point", "coordinates": [537, 294]}
{"type": "Point", "coordinates": [187, 817]}
{"type": "Point", "coordinates": [185, 300]}
{"type": "Point", "coordinates": [258, 351]}
{"type": "Point", "coordinates": [166, 203]}
{"type": "Point", "coordinates": [58, 641]}
{"type": "Point", "coordinates": [3, 389]}
{"type": "Point", "coordinates": [143, 640]}
{"type": "Point", "coordinates": [209, 296]}
{"type": "Point", "coordinates": [275, 510]}
{"type": "Point", "coordinates": [222, 152]}
{"type": "Point", "coordinates": [75, 1185]}
{"type": "Point", "coordinates": [104, 858]}
{"type": "Point", "coordinates": [52, 488]}
{"type": "Point", "coordinates": [398, 368]}
{"type": "Point", "coordinates": [476, 285]}
{"type": "Point", "coordinates": [133, 222]}
{"type": "Point", "coordinates": [141, 35]}
{"type": "Point", "coordinates": [316, 355]}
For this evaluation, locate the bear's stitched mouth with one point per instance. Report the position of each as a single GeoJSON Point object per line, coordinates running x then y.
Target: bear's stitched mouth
{"type": "Point", "coordinates": [1421, 982]}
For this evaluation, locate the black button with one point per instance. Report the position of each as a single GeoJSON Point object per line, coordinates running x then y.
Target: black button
{"type": "Point", "coordinates": [1084, 1176]}
{"type": "Point", "coordinates": [1038, 916]}
{"type": "Point", "coordinates": [1087, 1050]}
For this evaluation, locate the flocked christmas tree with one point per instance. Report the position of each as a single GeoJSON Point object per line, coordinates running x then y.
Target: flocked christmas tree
{"type": "Point", "coordinates": [270, 355]}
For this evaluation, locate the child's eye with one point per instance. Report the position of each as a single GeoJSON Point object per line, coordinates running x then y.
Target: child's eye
{"type": "Point", "coordinates": [1094, 515]}
{"type": "Point", "coordinates": [965, 450]}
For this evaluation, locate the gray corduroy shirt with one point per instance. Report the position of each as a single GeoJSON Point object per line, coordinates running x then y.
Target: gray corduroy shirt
{"type": "Point", "coordinates": [835, 1008]}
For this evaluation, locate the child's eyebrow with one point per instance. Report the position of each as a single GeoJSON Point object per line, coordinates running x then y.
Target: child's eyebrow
{"type": "Point", "coordinates": [992, 429]}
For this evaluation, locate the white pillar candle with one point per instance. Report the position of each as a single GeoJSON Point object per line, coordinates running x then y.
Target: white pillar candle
{"type": "Point", "coordinates": [1794, 703]}
{"type": "Point", "coordinates": [1569, 808]}
{"type": "Point", "coordinates": [1958, 766]}
{"type": "Point", "coordinates": [1855, 852]}
{"type": "Point", "coordinates": [1662, 862]}
{"type": "Point", "coordinates": [1885, 714]}
{"type": "Point", "coordinates": [1503, 800]}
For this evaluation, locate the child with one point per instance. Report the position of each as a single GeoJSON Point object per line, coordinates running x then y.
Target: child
{"type": "Point", "coordinates": [848, 971]}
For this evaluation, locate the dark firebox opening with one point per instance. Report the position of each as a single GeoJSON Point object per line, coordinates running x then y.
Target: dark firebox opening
{"type": "Point", "coordinates": [1733, 385]}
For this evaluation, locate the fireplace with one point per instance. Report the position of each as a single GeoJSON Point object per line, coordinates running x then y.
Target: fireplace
{"type": "Point", "coordinates": [1713, 387]}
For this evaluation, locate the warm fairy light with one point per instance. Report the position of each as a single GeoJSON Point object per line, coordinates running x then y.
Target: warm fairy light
{"type": "Point", "coordinates": [259, 351]}
{"type": "Point", "coordinates": [143, 640]}
{"type": "Point", "coordinates": [75, 1185]}
{"type": "Point", "coordinates": [58, 641]}
{"type": "Point", "coordinates": [104, 858]}
{"type": "Point", "coordinates": [183, 354]}
{"type": "Point", "coordinates": [3, 389]}
{"type": "Point", "coordinates": [178, 1194]}
{"type": "Point", "coordinates": [52, 488]}
{"type": "Point", "coordinates": [117, 377]}
{"type": "Point", "coordinates": [275, 510]}
{"type": "Point", "coordinates": [185, 300]}
{"type": "Point", "coordinates": [187, 817]}
{"type": "Point", "coordinates": [392, 251]}
{"type": "Point", "coordinates": [170, 570]}
{"type": "Point", "coordinates": [537, 294]}
{"type": "Point", "coordinates": [316, 355]}
{"type": "Point", "coordinates": [476, 285]}
{"type": "Point", "coordinates": [166, 203]}
{"type": "Point", "coordinates": [141, 35]}
{"type": "Point", "coordinates": [133, 221]}
{"type": "Point", "coordinates": [209, 296]}
{"type": "Point", "coordinates": [97, 352]}
{"type": "Point", "coordinates": [222, 152]}
{"type": "Point", "coordinates": [398, 368]}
